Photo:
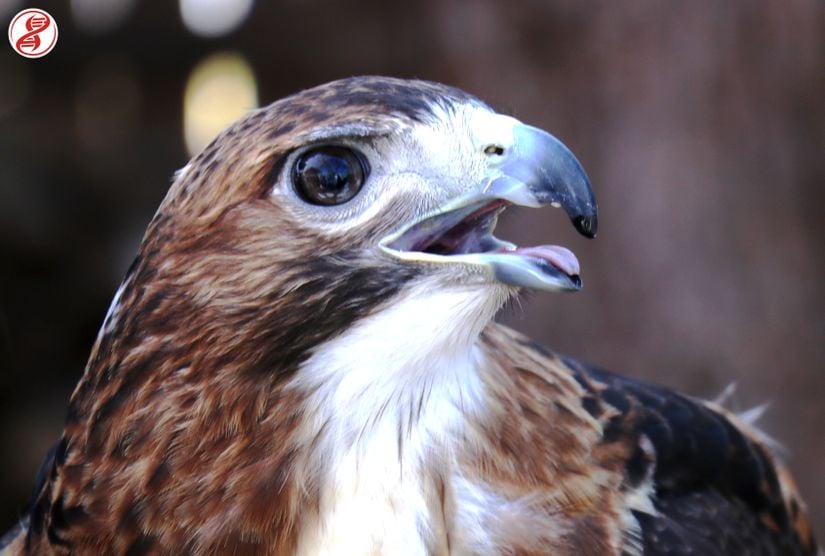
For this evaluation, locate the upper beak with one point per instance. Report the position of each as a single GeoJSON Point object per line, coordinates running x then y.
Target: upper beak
{"type": "Point", "coordinates": [539, 170]}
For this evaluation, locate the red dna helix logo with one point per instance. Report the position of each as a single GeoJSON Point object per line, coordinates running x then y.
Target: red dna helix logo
{"type": "Point", "coordinates": [36, 24]}
{"type": "Point", "coordinates": [33, 33]}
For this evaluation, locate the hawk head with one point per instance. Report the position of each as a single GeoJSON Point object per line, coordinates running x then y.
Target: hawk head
{"type": "Point", "coordinates": [317, 210]}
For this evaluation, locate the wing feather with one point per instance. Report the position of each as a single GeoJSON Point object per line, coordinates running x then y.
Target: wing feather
{"type": "Point", "coordinates": [718, 488]}
{"type": "Point", "coordinates": [692, 477]}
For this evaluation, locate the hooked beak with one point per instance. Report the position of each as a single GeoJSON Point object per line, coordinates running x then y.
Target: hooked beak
{"type": "Point", "coordinates": [534, 170]}
{"type": "Point", "coordinates": [539, 170]}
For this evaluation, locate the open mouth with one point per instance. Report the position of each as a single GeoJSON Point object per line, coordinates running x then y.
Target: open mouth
{"type": "Point", "coordinates": [465, 234]}
{"type": "Point", "coordinates": [534, 169]}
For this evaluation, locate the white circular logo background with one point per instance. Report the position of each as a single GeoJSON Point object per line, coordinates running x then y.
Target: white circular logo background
{"type": "Point", "coordinates": [33, 33]}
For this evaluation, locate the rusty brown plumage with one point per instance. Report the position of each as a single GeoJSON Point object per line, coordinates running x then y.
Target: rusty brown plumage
{"type": "Point", "coordinates": [192, 430]}
{"type": "Point", "coordinates": [618, 447]}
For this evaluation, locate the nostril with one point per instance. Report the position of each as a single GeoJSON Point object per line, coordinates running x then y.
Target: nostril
{"type": "Point", "coordinates": [494, 150]}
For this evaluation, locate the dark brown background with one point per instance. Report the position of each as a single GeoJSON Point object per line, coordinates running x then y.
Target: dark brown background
{"type": "Point", "coordinates": [702, 125]}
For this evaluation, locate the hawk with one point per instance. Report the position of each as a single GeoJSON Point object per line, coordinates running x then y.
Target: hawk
{"type": "Point", "coordinates": [302, 359]}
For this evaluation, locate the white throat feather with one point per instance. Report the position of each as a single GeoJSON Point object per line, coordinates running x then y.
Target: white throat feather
{"type": "Point", "coordinates": [388, 401]}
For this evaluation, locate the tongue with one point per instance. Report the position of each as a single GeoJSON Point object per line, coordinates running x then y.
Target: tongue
{"type": "Point", "coordinates": [558, 256]}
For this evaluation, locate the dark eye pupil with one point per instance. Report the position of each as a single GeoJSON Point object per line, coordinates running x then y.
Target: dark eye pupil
{"type": "Point", "coordinates": [329, 175]}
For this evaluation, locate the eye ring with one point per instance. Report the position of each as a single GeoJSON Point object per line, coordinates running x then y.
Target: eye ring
{"type": "Point", "coordinates": [329, 175]}
{"type": "Point", "coordinates": [494, 150]}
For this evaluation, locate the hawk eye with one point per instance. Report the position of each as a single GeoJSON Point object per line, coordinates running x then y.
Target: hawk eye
{"type": "Point", "coordinates": [329, 175]}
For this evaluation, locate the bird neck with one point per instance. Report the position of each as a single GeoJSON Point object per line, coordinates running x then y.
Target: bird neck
{"type": "Point", "coordinates": [389, 402]}
{"type": "Point", "coordinates": [386, 398]}
{"type": "Point", "coordinates": [418, 352]}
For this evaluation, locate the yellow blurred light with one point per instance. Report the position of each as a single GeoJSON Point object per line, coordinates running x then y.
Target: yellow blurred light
{"type": "Point", "coordinates": [220, 90]}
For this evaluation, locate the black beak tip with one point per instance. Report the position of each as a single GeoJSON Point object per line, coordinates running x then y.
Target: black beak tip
{"type": "Point", "coordinates": [586, 225]}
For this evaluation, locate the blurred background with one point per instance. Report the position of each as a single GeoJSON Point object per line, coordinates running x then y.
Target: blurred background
{"type": "Point", "coordinates": [701, 124]}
